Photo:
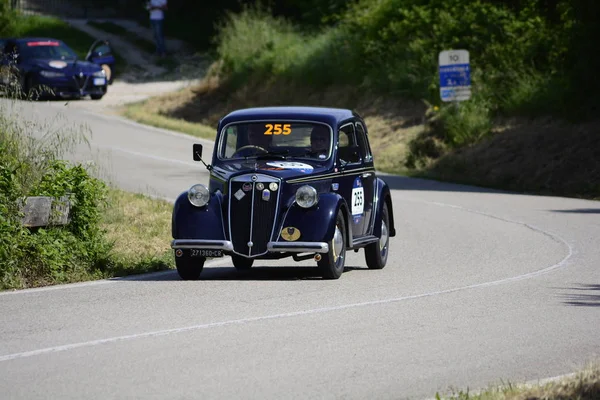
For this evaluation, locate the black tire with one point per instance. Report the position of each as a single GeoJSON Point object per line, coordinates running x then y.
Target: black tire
{"type": "Point", "coordinates": [241, 263]}
{"type": "Point", "coordinates": [189, 268]}
{"type": "Point", "coordinates": [332, 263]}
{"type": "Point", "coordinates": [96, 96]}
{"type": "Point", "coordinates": [376, 254]}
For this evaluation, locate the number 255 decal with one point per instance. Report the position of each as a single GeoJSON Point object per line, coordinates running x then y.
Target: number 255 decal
{"type": "Point", "coordinates": [278, 129]}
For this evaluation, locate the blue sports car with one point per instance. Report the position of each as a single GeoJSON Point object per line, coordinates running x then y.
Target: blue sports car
{"type": "Point", "coordinates": [42, 67]}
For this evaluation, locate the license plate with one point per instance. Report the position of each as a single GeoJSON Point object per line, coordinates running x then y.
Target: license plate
{"type": "Point", "coordinates": [206, 253]}
{"type": "Point", "coordinates": [99, 81]}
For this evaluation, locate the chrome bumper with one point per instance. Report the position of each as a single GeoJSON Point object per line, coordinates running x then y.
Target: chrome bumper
{"type": "Point", "coordinates": [225, 245]}
{"type": "Point", "coordinates": [272, 247]}
{"type": "Point", "coordinates": [298, 247]}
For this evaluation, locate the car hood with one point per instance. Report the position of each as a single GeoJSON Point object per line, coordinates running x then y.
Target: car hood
{"type": "Point", "coordinates": [67, 67]}
{"type": "Point", "coordinates": [284, 169]}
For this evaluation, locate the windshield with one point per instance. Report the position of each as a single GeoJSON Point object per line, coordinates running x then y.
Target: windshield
{"type": "Point", "coordinates": [276, 139]}
{"type": "Point", "coordinates": [48, 49]}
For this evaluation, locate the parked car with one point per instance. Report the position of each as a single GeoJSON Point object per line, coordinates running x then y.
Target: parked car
{"type": "Point", "coordinates": [294, 182]}
{"type": "Point", "coordinates": [42, 67]}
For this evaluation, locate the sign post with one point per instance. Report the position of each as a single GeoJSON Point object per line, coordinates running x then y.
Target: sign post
{"type": "Point", "coordinates": [455, 75]}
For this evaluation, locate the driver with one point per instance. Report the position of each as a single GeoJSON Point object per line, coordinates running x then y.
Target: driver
{"type": "Point", "coordinates": [319, 141]}
{"type": "Point", "coordinates": [257, 137]}
{"type": "Point", "coordinates": [257, 142]}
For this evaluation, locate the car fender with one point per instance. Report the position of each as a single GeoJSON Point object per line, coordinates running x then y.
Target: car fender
{"type": "Point", "coordinates": [191, 222]}
{"type": "Point", "coordinates": [316, 224]}
{"type": "Point", "coordinates": [383, 197]}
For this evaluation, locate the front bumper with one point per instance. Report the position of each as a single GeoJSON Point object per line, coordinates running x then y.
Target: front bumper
{"type": "Point", "coordinates": [272, 247]}
{"type": "Point", "coordinates": [70, 86]}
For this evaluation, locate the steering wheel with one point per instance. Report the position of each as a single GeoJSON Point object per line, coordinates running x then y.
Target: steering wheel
{"type": "Point", "coordinates": [250, 146]}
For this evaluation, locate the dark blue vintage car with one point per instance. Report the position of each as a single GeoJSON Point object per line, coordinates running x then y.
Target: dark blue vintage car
{"type": "Point", "coordinates": [285, 181]}
{"type": "Point", "coordinates": [42, 67]}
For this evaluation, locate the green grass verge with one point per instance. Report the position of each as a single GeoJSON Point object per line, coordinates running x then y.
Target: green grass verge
{"type": "Point", "coordinates": [582, 385]}
{"type": "Point", "coordinates": [146, 114]}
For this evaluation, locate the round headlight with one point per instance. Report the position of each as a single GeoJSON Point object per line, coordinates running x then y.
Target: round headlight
{"type": "Point", "coordinates": [199, 195]}
{"type": "Point", "coordinates": [306, 196]}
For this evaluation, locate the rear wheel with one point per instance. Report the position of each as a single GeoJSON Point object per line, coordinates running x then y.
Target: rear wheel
{"type": "Point", "coordinates": [241, 263]}
{"type": "Point", "coordinates": [332, 262]}
{"type": "Point", "coordinates": [376, 254]}
{"type": "Point", "coordinates": [188, 268]}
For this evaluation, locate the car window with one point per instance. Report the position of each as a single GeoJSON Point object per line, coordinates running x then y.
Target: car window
{"type": "Point", "coordinates": [294, 139]}
{"type": "Point", "coordinates": [361, 138]}
{"type": "Point", "coordinates": [347, 145]}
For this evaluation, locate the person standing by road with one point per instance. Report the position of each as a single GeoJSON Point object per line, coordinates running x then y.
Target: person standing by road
{"type": "Point", "coordinates": [157, 15]}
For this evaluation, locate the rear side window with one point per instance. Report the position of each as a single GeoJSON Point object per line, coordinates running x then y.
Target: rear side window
{"type": "Point", "coordinates": [363, 143]}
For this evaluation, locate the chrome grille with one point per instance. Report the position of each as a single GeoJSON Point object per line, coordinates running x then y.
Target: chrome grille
{"type": "Point", "coordinates": [251, 218]}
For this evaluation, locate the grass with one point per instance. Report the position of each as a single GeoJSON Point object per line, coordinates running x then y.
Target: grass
{"type": "Point", "coordinates": [139, 227]}
{"type": "Point", "coordinates": [583, 385]}
{"type": "Point", "coordinates": [147, 113]}
{"type": "Point", "coordinates": [196, 110]}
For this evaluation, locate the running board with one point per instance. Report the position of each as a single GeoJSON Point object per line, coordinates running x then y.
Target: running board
{"type": "Point", "coordinates": [363, 241]}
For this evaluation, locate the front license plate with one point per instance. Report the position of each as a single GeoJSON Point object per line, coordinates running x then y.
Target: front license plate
{"type": "Point", "coordinates": [206, 253]}
{"type": "Point", "coordinates": [99, 81]}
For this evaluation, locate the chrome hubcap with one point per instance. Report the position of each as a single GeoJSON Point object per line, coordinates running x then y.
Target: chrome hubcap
{"type": "Point", "coordinates": [383, 240]}
{"type": "Point", "coordinates": [337, 243]}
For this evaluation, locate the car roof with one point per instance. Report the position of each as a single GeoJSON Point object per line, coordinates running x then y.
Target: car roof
{"type": "Point", "coordinates": [331, 116]}
{"type": "Point", "coordinates": [36, 39]}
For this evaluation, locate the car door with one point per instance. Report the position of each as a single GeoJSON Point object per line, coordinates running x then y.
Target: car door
{"type": "Point", "coordinates": [367, 175]}
{"type": "Point", "coordinates": [351, 181]}
{"type": "Point", "coordinates": [101, 53]}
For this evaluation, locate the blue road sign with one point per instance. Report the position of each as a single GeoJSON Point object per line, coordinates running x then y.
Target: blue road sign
{"type": "Point", "coordinates": [455, 75]}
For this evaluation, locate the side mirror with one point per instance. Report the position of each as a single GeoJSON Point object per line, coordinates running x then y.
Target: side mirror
{"type": "Point", "coordinates": [197, 152]}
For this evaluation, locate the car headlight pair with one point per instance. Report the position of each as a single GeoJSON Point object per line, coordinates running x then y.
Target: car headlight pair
{"type": "Point", "coordinates": [52, 74]}
{"type": "Point", "coordinates": [198, 195]}
{"type": "Point", "coordinates": [307, 196]}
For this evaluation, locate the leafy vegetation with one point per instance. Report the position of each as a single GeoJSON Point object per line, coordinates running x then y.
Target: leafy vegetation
{"type": "Point", "coordinates": [31, 164]}
{"type": "Point", "coordinates": [529, 59]}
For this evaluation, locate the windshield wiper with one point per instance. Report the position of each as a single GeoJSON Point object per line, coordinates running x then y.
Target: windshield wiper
{"type": "Point", "coordinates": [281, 155]}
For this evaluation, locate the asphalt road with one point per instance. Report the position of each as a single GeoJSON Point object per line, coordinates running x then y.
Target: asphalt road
{"type": "Point", "coordinates": [480, 286]}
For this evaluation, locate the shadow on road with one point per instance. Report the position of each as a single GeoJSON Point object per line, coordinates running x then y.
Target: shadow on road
{"type": "Point", "coordinates": [229, 273]}
{"type": "Point", "coordinates": [579, 211]}
{"type": "Point", "coordinates": [584, 295]}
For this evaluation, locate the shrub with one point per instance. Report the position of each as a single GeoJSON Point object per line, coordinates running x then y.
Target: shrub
{"type": "Point", "coordinates": [30, 164]}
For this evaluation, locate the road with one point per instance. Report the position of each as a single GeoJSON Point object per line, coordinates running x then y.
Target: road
{"type": "Point", "coordinates": [480, 286]}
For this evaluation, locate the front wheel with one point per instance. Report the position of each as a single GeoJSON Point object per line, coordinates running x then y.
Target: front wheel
{"type": "Point", "coordinates": [376, 254]}
{"type": "Point", "coordinates": [188, 268]}
{"type": "Point", "coordinates": [332, 262]}
{"type": "Point", "coordinates": [241, 263]}
{"type": "Point", "coordinates": [96, 96]}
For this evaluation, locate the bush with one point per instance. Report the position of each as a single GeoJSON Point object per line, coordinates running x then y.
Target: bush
{"type": "Point", "coordinates": [31, 165]}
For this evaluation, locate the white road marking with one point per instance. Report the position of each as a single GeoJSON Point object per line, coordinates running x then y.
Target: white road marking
{"type": "Point", "coordinates": [211, 263]}
{"type": "Point", "coordinates": [144, 155]}
{"type": "Point", "coordinates": [73, 346]}
{"type": "Point", "coordinates": [91, 343]}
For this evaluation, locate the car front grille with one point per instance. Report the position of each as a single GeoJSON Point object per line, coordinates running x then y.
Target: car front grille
{"type": "Point", "coordinates": [251, 217]}
{"type": "Point", "coordinates": [81, 81]}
